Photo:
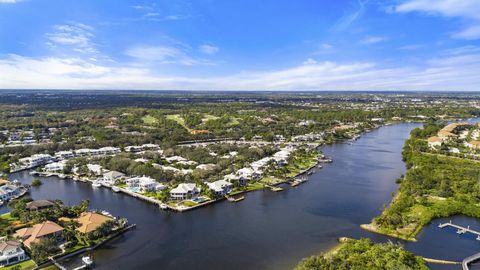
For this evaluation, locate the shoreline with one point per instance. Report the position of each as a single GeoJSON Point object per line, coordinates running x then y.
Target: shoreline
{"type": "Point", "coordinates": [370, 227]}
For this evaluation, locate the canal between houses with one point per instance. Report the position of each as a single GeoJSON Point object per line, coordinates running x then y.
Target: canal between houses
{"type": "Point", "coordinates": [267, 230]}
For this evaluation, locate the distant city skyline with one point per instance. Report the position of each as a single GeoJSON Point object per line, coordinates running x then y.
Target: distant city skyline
{"type": "Point", "coordinates": [240, 45]}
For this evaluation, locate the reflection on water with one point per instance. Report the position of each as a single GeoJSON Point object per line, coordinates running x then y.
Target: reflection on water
{"type": "Point", "coordinates": [267, 230]}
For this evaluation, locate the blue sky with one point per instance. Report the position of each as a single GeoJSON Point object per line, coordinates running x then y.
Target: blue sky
{"type": "Point", "coordinates": [240, 45]}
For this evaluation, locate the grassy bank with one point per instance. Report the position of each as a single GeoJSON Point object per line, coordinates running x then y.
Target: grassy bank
{"type": "Point", "coordinates": [435, 186]}
{"type": "Point", "coordinates": [363, 254]}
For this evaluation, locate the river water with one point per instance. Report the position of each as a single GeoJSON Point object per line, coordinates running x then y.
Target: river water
{"type": "Point", "coordinates": [267, 230]}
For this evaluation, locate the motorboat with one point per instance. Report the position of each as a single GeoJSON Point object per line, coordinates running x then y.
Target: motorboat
{"type": "Point", "coordinates": [96, 184]}
{"type": "Point", "coordinates": [87, 260]}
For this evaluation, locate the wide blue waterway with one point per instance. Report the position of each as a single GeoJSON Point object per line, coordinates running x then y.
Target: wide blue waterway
{"type": "Point", "coordinates": [267, 230]}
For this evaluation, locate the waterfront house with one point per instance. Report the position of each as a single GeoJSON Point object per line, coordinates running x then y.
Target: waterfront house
{"type": "Point", "coordinates": [144, 184]}
{"type": "Point", "coordinates": [55, 166]}
{"type": "Point", "coordinates": [47, 229]}
{"type": "Point", "coordinates": [8, 192]}
{"type": "Point", "coordinates": [112, 177]}
{"type": "Point", "coordinates": [184, 191]}
{"type": "Point", "coordinates": [95, 169]}
{"type": "Point", "coordinates": [259, 164]}
{"type": "Point", "coordinates": [233, 178]}
{"type": "Point", "coordinates": [11, 252]}
{"type": "Point", "coordinates": [90, 221]}
{"type": "Point", "coordinates": [39, 205]}
{"type": "Point", "coordinates": [220, 187]}
{"type": "Point", "coordinates": [247, 174]}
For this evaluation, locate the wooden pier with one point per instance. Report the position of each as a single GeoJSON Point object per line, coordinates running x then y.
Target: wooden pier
{"type": "Point", "coordinates": [460, 229]}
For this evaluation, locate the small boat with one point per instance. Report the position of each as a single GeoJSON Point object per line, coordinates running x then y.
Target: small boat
{"type": "Point", "coordinates": [163, 206]}
{"type": "Point", "coordinates": [115, 189]}
{"type": "Point", "coordinates": [310, 173]}
{"type": "Point", "coordinates": [478, 238]}
{"type": "Point", "coordinates": [106, 213]}
{"type": "Point", "coordinates": [87, 260]}
{"type": "Point", "coordinates": [96, 184]}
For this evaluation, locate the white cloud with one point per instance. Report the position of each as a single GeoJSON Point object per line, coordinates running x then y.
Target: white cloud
{"type": "Point", "coordinates": [165, 55]}
{"type": "Point", "coordinates": [466, 9]}
{"type": "Point", "coordinates": [372, 40]}
{"type": "Point", "coordinates": [411, 47]}
{"type": "Point", "coordinates": [326, 46]}
{"type": "Point", "coordinates": [76, 36]}
{"type": "Point", "coordinates": [454, 71]}
{"type": "Point", "coordinates": [310, 61]}
{"type": "Point", "coordinates": [9, 1]}
{"type": "Point", "coordinates": [355, 11]}
{"type": "Point", "coordinates": [208, 49]}
{"type": "Point", "coordinates": [471, 33]}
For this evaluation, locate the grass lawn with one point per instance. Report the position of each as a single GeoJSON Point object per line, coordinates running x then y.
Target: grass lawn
{"type": "Point", "coordinates": [149, 120]}
{"type": "Point", "coordinates": [189, 203]}
{"type": "Point", "coordinates": [234, 121]}
{"type": "Point", "coordinates": [177, 118]}
{"type": "Point", "coordinates": [25, 265]}
{"type": "Point", "coordinates": [255, 186]}
{"type": "Point", "coordinates": [8, 217]}
{"type": "Point", "coordinates": [208, 117]}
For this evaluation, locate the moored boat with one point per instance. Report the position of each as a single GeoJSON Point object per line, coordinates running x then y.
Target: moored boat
{"type": "Point", "coordinates": [96, 184]}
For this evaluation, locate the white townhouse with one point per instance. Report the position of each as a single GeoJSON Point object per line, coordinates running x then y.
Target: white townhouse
{"type": "Point", "coordinates": [36, 160]}
{"type": "Point", "coordinates": [82, 152]}
{"type": "Point", "coordinates": [8, 191]}
{"type": "Point", "coordinates": [220, 187]}
{"type": "Point", "coordinates": [185, 191]}
{"type": "Point", "coordinates": [11, 252]}
{"type": "Point", "coordinates": [108, 151]}
{"type": "Point", "coordinates": [64, 154]}
{"type": "Point", "coordinates": [147, 146]}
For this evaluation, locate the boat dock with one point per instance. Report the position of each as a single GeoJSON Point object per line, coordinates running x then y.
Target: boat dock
{"type": "Point", "coordinates": [467, 261]}
{"type": "Point", "coordinates": [460, 229]}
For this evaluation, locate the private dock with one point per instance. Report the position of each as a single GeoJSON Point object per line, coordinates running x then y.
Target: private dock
{"type": "Point", "coordinates": [469, 260]}
{"type": "Point", "coordinates": [460, 229]}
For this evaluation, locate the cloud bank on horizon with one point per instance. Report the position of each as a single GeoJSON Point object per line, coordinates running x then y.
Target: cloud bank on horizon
{"type": "Point", "coordinates": [214, 45]}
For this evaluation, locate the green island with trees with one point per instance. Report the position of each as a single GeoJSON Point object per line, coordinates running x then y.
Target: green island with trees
{"type": "Point", "coordinates": [364, 254]}
{"type": "Point", "coordinates": [434, 186]}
